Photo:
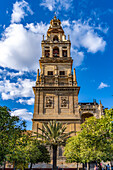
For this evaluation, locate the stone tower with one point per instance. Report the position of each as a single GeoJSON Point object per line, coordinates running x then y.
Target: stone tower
{"type": "Point", "coordinates": [56, 90]}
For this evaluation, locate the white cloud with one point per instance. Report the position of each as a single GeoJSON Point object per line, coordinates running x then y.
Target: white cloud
{"type": "Point", "coordinates": [103, 85]}
{"type": "Point", "coordinates": [65, 23]}
{"type": "Point", "coordinates": [51, 4]}
{"type": "Point", "coordinates": [20, 47]}
{"type": "Point", "coordinates": [39, 28]}
{"type": "Point", "coordinates": [78, 57]}
{"type": "Point", "coordinates": [20, 10]}
{"type": "Point", "coordinates": [92, 42]}
{"type": "Point", "coordinates": [22, 113]}
{"type": "Point", "coordinates": [102, 29]}
{"type": "Point", "coordinates": [20, 89]}
{"type": "Point", "coordinates": [29, 101]}
{"type": "Point", "coordinates": [12, 74]}
{"type": "Point", "coordinates": [84, 35]}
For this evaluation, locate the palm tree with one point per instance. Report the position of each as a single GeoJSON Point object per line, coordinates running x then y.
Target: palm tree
{"type": "Point", "coordinates": [54, 135]}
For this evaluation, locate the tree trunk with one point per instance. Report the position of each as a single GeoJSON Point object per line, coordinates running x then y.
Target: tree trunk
{"type": "Point", "coordinates": [31, 165]}
{"type": "Point", "coordinates": [87, 166]}
{"type": "Point", "coordinates": [14, 165]}
{"type": "Point", "coordinates": [83, 166]}
{"type": "Point", "coordinates": [54, 157]}
{"type": "Point", "coordinates": [24, 166]}
{"type": "Point", "coordinates": [4, 164]}
{"type": "Point", "coordinates": [77, 165]}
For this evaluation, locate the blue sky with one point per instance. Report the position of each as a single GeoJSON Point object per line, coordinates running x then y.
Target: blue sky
{"type": "Point", "coordinates": [22, 24]}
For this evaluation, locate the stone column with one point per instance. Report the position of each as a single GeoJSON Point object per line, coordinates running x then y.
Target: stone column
{"type": "Point", "coordinates": [41, 103]}
{"type": "Point", "coordinates": [74, 77]}
{"type": "Point", "coordinates": [37, 75]}
{"type": "Point", "coordinates": [60, 51]}
{"type": "Point", "coordinates": [68, 51]}
{"type": "Point", "coordinates": [36, 105]}
{"type": "Point", "coordinates": [43, 51]}
{"type": "Point", "coordinates": [56, 104]}
{"type": "Point", "coordinates": [51, 51]}
{"type": "Point", "coordinates": [71, 104]}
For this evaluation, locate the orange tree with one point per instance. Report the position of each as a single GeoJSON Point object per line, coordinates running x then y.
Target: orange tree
{"type": "Point", "coordinates": [11, 128]}
{"type": "Point", "coordinates": [94, 142]}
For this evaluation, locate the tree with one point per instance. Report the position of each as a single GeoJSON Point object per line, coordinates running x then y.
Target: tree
{"type": "Point", "coordinates": [37, 152]}
{"type": "Point", "coordinates": [18, 154]}
{"type": "Point", "coordinates": [54, 135]}
{"type": "Point", "coordinates": [95, 141]}
{"type": "Point", "coordinates": [27, 149]}
{"type": "Point", "coordinates": [10, 128]}
{"type": "Point", "coordinates": [72, 150]}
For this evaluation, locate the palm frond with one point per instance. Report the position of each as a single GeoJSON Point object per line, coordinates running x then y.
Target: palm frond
{"type": "Point", "coordinates": [53, 133]}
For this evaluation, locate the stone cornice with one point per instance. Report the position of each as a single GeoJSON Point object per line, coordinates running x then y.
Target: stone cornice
{"type": "Point", "coordinates": [46, 42]}
{"type": "Point", "coordinates": [56, 60]}
{"type": "Point", "coordinates": [44, 118]}
{"type": "Point", "coordinates": [50, 88]}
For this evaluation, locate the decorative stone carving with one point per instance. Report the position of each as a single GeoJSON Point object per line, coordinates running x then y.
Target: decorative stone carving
{"type": "Point", "coordinates": [64, 102]}
{"type": "Point", "coordinates": [49, 102]}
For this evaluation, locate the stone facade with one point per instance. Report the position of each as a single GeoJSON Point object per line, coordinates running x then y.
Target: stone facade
{"type": "Point", "coordinates": [56, 91]}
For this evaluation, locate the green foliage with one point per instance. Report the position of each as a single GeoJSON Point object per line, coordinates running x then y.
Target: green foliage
{"type": "Point", "coordinates": [53, 133]}
{"type": "Point", "coordinates": [37, 152]}
{"type": "Point", "coordinates": [45, 155]}
{"type": "Point", "coordinates": [94, 142]}
{"type": "Point", "coordinates": [16, 145]}
{"type": "Point", "coordinates": [18, 154]}
{"type": "Point", "coordinates": [72, 149]}
{"type": "Point", "coordinates": [10, 128]}
{"type": "Point", "coordinates": [26, 150]}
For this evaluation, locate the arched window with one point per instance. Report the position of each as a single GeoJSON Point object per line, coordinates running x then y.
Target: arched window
{"type": "Point", "coordinates": [47, 53]}
{"type": "Point", "coordinates": [64, 53]}
{"type": "Point", "coordinates": [55, 52]}
{"type": "Point", "coordinates": [55, 38]}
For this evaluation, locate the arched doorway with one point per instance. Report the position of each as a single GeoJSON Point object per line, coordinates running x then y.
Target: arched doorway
{"type": "Point", "coordinates": [85, 115]}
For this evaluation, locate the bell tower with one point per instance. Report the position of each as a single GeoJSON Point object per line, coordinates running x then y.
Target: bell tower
{"type": "Point", "coordinates": [56, 90]}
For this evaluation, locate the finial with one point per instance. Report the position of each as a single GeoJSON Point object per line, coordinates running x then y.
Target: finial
{"type": "Point", "coordinates": [100, 102]}
{"type": "Point", "coordinates": [55, 16]}
{"type": "Point", "coordinates": [43, 37]}
{"type": "Point", "coordinates": [74, 76]}
{"type": "Point", "coordinates": [38, 75]}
